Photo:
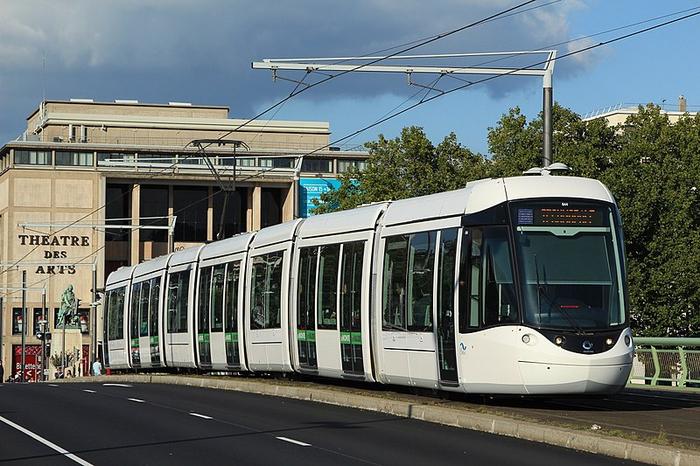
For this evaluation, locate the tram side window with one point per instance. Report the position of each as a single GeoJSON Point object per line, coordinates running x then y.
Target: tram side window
{"type": "Point", "coordinates": [154, 303]}
{"type": "Point", "coordinates": [178, 295]}
{"type": "Point", "coordinates": [306, 290]}
{"type": "Point", "coordinates": [487, 292]}
{"type": "Point", "coordinates": [421, 268]}
{"type": "Point", "coordinates": [135, 306]}
{"type": "Point", "coordinates": [232, 277]}
{"type": "Point", "coordinates": [217, 298]}
{"type": "Point", "coordinates": [204, 299]}
{"type": "Point", "coordinates": [351, 285]}
{"type": "Point", "coordinates": [115, 321]}
{"type": "Point", "coordinates": [409, 266]}
{"type": "Point", "coordinates": [328, 286]}
{"type": "Point", "coordinates": [143, 308]}
{"type": "Point", "coordinates": [266, 291]}
{"type": "Point", "coordinates": [394, 283]}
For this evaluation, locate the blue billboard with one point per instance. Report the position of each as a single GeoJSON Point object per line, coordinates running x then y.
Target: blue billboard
{"type": "Point", "coordinates": [312, 188]}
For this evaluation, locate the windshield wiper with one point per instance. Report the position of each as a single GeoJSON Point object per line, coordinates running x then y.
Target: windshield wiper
{"type": "Point", "coordinates": [542, 292]}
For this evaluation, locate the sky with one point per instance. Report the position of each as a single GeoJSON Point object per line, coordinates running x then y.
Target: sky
{"type": "Point", "coordinates": [200, 51]}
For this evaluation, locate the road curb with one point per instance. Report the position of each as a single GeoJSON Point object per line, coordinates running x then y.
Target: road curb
{"type": "Point", "coordinates": [490, 423]}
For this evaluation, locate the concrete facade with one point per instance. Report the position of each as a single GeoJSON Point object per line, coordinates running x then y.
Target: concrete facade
{"type": "Point", "coordinates": [81, 165]}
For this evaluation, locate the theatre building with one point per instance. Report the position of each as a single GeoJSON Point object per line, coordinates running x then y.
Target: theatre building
{"type": "Point", "coordinates": [93, 186]}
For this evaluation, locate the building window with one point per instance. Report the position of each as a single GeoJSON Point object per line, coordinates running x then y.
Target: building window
{"type": "Point", "coordinates": [245, 162]}
{"type": "Point", "coordinates": [158, 158]}
{"type": "Point", "coordinates": [154, 203]}
{"type": "Point", "coordinates": [38, 316]}
{"type": "Point", "coordinates": [32, 157]}
{"type": "Point", "coordinates": [281, 162]}
{"type": "Point", "coordinates": [346, 165]}
{"type": "Point", "coordinates": [79, 159]}
{"type": "Point", "coordinates": [105, 158]}
{"type": "Point", "coordinates": [191, 206]}
{"type": "Point", "coordinates": [317, 165]}
{"type": "Point", "coordinates": [190, 159]}
{"type": "Point", "coordinates": [17, 323]}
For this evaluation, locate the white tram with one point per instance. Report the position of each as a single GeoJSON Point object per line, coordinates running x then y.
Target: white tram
{"type": "Point", "coordinates": [510, 286]}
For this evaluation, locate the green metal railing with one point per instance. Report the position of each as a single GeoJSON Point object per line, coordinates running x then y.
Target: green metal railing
{"type": "Point", "coordinates": [672, 362]}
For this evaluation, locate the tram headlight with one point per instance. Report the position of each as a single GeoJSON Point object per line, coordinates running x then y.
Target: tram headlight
{"type": "Point", "coordinates": [527, 339]}
{"type": "Point", "coordinates": [628, 340]}
{"type": "Point", "coordinates": [609, 341]}
{"type": "Point", "coordinates": [559, 340]}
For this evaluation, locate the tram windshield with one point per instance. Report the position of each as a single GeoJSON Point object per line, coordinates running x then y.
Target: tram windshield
{"type": "Point", "coordinates": [570, 266]}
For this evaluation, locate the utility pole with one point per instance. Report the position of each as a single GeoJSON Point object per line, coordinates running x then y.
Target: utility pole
{"type": "Point", "coordinates": [44, 324]}
{"type": "Point", "coordinates": [543, 68]}
{"type": "Point", "coordinates": [93, 316]}
{"type": "Point", "coordinates": [24, 321]}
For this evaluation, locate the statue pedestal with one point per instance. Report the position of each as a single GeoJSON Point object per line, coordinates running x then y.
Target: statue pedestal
{"type": "Point", "coordinates": [73, 346]}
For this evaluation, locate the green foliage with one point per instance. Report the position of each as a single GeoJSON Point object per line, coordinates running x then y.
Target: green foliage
{"type": "Point", "coordinates": [651, 166]}
{"type": "Point", "coordinates": [407, 166]}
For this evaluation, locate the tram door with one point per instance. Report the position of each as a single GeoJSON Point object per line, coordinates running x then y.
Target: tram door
{"type": "Point", "coordinates": [233, 274]}
{"type": "Point", "coordinates": [203, 301]}
{"type": "Point", "coordinates": [447, 357]}
{"type": "Point", "coordinates": [148, 345]}
{"type": "Point", "coordinates": [134, 327]}
{"type": "Point", "coordinates": [351, 307]}
{"type": "Point", "coordinates": [306, 315]}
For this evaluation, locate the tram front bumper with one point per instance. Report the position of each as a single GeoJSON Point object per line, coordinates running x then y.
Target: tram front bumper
{"type": "Point", "coordinates": [541, 378]}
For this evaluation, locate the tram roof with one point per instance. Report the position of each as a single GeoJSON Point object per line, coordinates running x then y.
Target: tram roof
{"type": "Point", "coordinates": [185, 256]}
{"type": "Point", "coordinates": [346, 221]}
{"type": "Point", "coordinates": [224, 247]}
{"type": "Point", "coordinates": [475, 197]}
{"type": "Point", "coordinates": [528, 187]}
{"type": "Point", "coordinates": [119, 275]}
{"type": "Point", "coordinates": [483, 194]}
{"type": "Point", "coordinates": [150, 266]}
{"type": "Point", "coordinates": [275, 234]}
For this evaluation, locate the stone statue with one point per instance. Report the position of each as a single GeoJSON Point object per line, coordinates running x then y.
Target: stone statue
{"type": "Point", "coordinates": [67, 309]}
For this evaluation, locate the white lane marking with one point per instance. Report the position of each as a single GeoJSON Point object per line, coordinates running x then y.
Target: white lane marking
{"type": "Point", "coordinates": [201, 415]}
{"type": "Point", "coordinates": [291, 440]}
{"type": "Point", "coordinates": [117, 385]}
{"type": "Point", "coordinates": [89, 391]}
{"type": "Point", "coordinates": [136, 400]}
{"type": "Point", "coordinates": [49, 444]}
{"type": "Point", "coordinates": [53, 385]}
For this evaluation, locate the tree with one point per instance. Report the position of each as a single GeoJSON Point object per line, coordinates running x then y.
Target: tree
{"type": "Point", "coordinates": [407, 166]}
{"type": "Point", "coordinates": [652, 167]}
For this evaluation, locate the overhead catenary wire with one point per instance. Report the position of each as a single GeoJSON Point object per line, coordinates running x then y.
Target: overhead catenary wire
{"type": "Point", "coordinates": [491, 78]}
{"type": "Point", "coordinates": [421, 102]}
{"type": "Point", "coordinates": [511, 10]}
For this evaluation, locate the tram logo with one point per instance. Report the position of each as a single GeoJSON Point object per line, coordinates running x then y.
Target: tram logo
{"type": "Point", "coordinates": [463, 347]}
{"type": "Point", "coordinates": [587, 345]}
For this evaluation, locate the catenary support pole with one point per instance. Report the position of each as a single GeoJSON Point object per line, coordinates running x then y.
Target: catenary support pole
{"type": "Point", "coordinates": [45, 323]}
{"type": "Point", "coordinates": [24, 322]}
{"type": "Point", "coordinates": [547, 130]}
{"type": "Point", "coordinates": [93, 316]}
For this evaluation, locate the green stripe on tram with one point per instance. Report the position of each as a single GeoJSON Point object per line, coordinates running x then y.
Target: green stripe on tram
{"type": "Point", "coordinates": [203, 337]}
{"type": "Point", "coordinates": [350, 338]}
{"type": "Point", "coordinates": [154, 340]}
{"type": "Point", "coordinates": [306, 335]}
{"type": "Point", "coordinates": [232, 337]}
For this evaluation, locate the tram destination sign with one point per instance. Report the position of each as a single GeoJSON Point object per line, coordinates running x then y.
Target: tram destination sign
{"type": "Point", "coordinates": [561, 216]}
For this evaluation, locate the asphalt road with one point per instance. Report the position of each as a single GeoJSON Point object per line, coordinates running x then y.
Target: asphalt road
{"type": "Point", "coordinates": [105, 424]}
